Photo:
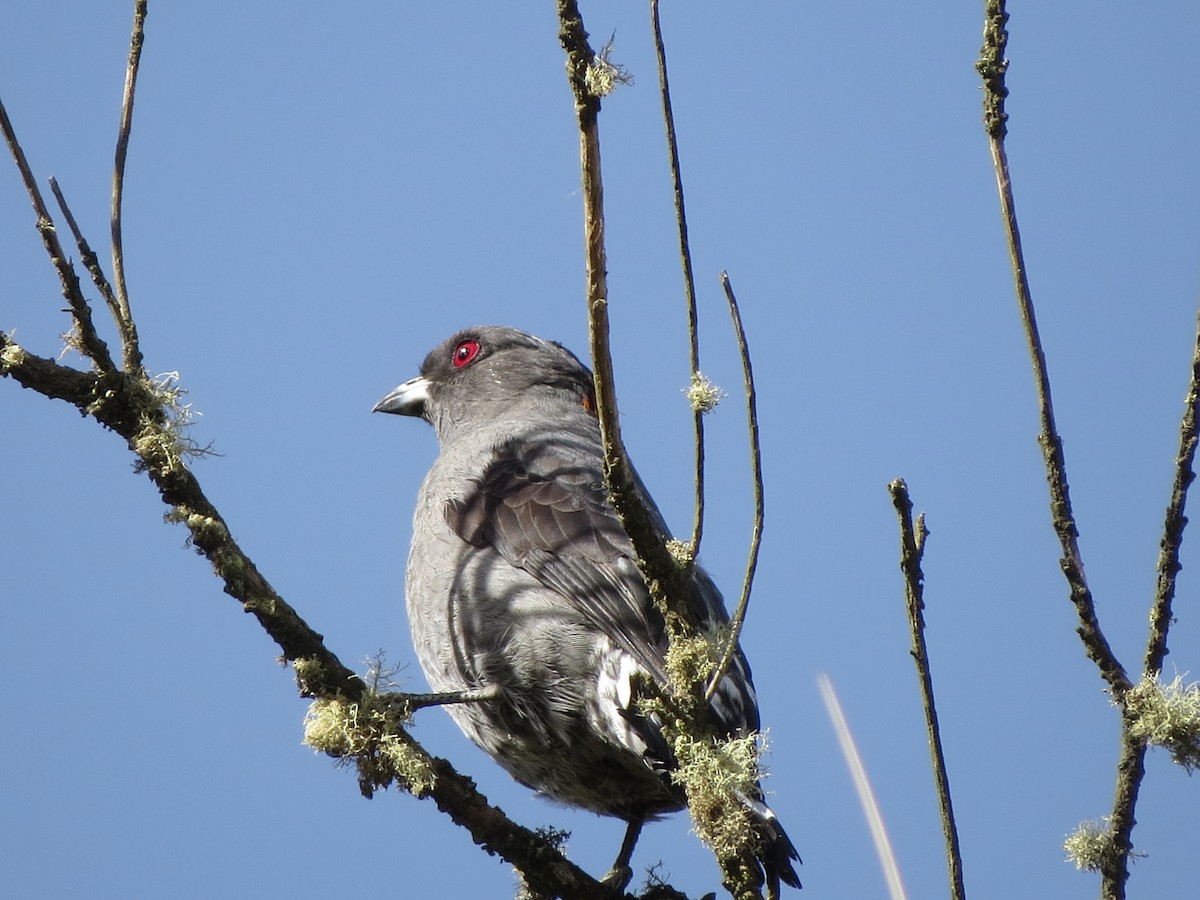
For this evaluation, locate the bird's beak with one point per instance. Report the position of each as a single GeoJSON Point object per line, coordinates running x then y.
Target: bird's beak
{"type": "Point", "coordinates": [406, 400]}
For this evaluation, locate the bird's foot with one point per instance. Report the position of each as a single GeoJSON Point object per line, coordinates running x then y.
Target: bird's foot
{"type": "Point", "coordinates": [617, 879]}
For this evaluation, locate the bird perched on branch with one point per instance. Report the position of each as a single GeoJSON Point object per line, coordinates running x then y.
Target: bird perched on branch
{"type": "Point", "coordinates": [524, 589]}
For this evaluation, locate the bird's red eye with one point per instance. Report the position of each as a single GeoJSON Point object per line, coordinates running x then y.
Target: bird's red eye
{"type": "Point", "coordinates": [465, 352]}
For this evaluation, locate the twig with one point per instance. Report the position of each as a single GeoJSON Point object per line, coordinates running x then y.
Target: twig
{"type": "Point", "coordinates": [912, 548]}
{"type": "Point", "coordinates": [1131, 766]}
{"type": "Point", "coordinates": [1176, 521]}
{"type": "Point", "coordinates": [658, 567]}
{"type": "Point", "coordinates": [90, 342]}
{"type": "Point", "coordinates": [992, 66]}
{"type": "Point", "coordinates": [689, 281]}
{"type": "Point", "coordinates": [86, 254]}
{"type": "Point", "coordinates": [739, 615]}
{"type": "Point", "coordinates": [132, 356]}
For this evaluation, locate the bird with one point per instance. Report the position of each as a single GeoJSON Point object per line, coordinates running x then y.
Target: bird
{"type": "Point", "coordinates": [522, 590]}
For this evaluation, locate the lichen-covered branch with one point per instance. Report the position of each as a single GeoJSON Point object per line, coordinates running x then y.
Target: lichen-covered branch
{"type": "Point", "coordinates": [128, 407]}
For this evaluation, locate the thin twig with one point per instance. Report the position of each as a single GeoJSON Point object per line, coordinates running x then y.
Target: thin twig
{"type": "Point", "coordinates": [90, 342]}
{"type": "Point", "coordinates": [86, 254]}
{"type": "Point", "coordinates": [1176, 521]}
{"type": "Point", "coordinates": [739, 615]}
{"type": "Point", "coordinates": [992, 66]}
{"type": "Point", "coordinates": [912, 548]}
{"type": "Point", "coordinates": [689, 281]}
{"type": "Point", "coordinates": [132, 356]}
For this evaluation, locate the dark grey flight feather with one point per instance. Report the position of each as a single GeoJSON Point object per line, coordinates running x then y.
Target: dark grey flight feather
{"type": "Point", "coordinates": [521, 576]}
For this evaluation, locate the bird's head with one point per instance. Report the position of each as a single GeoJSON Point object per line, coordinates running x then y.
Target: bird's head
{"type": "Point", "coordinates": [490, 372]}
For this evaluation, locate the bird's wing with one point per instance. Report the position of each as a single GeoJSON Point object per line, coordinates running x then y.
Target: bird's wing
{"type": "Point", "coordinates": [542, 503]}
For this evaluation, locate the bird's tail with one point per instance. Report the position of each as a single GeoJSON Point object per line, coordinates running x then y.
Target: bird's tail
{"type": "Point", "coordinates": [777, 852]}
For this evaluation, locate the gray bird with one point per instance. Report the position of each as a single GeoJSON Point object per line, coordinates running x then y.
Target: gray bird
{"type": "Point", "coordinates": [522, 583]}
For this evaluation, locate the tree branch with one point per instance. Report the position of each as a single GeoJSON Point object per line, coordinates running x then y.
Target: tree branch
{"type": "Point", "coordinates": [132, 355]}
{"type": "Point", "coordinates": [739, 615]}
{"type": "Point", "coordinates": [912, 548]}
{"type": "Point", "coordinates": [664, 577]}
{"type": "Point", "coordinates": [992, 66]}
{"type": "Point", "coordinates": [1114, 868]}
{"type": "Point", "coordinates": [120, 403]}
{"type": "Point", "coordinates": [1176, 521]}
{"type": "Point", "coordinates": [87, 255]}
{"type": "Point", "coordinates": [90, 343]}
{"type": "Point", "coordinates": [689, 281]}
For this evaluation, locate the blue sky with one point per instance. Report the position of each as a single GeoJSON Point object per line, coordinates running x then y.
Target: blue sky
{"type": "Point", "coordinates": [319, 193]}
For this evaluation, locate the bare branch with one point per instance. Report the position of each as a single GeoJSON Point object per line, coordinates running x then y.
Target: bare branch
{"type": "Point", "coordinates": [912, 548]}
{"type": "Point", "coordinates": [689, 281]}
{"type": "Point", "coordinates": [739, 614]}
{"type": "Point", "coordinates": [992, 66]}
{"type": "Point", "coordinates": [90, 343]}
{"type": "Point", "coordinates": [129, 339]}
{"type": "Point", "coordinates": [87, 255]}
{"type": "Point", "coordinates": [1176, 521]}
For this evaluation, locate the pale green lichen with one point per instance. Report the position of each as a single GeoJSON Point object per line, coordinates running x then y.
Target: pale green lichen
{"type": "Point", "coordinates": [681, 552]}
{"type": "Point", "coordinates": [702, 395]}
{"type": "Point", "coordinates": [72, 342]}
{"type": "Point", "coordinates": [309, 671]}
{"type": "Point", "coordinates": [12, 355]}
{"type": "Point", "coordinates": [691, 660]}
{"type": "Point", "coordinates": [369, 735]}
{"type": "Point", "coordinates": [603, 75]}
{"type": "Point", "coordinates": [1091, 845]}
{"type": "Point", "coordinates": [161, 441]}
{"type": "Point", "coordinates": [1167, 715]}
{"type": "Point", "coordinates": [716, 775]}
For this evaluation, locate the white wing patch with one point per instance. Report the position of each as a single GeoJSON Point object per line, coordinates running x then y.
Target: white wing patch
{"type": "Point", "coordinates": [614, 696]}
